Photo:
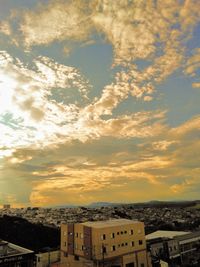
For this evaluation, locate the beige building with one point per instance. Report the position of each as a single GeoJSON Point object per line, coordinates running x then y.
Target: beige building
{"type": "Point", "coordinates": [113, 243]}
{"type": "Point", "coordinates": [46, 259]}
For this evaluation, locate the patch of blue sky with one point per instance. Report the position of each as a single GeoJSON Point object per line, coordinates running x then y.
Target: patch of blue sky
{"type": "Point", "coordinates": [66, 96]}
{"type": "Point", "coordinates": [17, 52]}
{"type": "Point", "coordinates": [132, 105]}
{"type": "Point", "coordinates": [193, 42]}
{"type": "Point", "coordinates": [142, 64]}
{"type": "Point", "coordinates": [7, 5]}
{"type": "Point", "coordinates": [94, 61]}
{"type": "Point", "coordinates": [8, 120]}
{"type": "Point", "coordinates": [179, 98]}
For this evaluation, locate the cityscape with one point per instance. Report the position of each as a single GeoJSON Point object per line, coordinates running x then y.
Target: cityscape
{"type": "Point", "coordinates": [169, 233]}
{"type": "Point", "coordinates": [99, 133]}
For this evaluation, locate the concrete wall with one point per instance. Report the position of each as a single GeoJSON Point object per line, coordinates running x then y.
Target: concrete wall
{"type": "Point", "coordinates": [44, 259]}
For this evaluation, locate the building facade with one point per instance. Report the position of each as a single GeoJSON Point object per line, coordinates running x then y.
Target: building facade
{"type": "Point", "coordinates": [48, 258]}
{"type": "Point", "coordinates": [15, 256]}
{"type": "Point", "coordinates": [112, 243]}
{"type": "Point", "coordinates": [176, 248]}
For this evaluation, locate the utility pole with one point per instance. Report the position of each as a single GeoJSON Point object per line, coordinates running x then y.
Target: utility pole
{"type": "Point", "coordinates": [103, 252]}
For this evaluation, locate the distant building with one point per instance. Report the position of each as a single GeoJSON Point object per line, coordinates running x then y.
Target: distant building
{"type": "Point", "coordinates": [112, 243]}
{"type": "Point", "coordinates": [6, 206]}
{"type": "Point", "coordinates": [48, 258]}
{"type": "Point", "coordinates": [176, 248]}
{"type": "Point", "coordinates": [15, 256]}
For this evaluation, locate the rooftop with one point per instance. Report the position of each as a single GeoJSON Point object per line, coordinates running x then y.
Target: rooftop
{"type": "Point", "coordinates": [9, 249]}
{"type": "Point", "coordinates": [168, 234]}
{"type": "Point", "coordinates": [109, 223]}
{"type": "Point", "coordinates": [189, 236]}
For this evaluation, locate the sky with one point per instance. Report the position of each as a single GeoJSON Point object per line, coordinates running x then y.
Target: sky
{"type": "Point", "coordinates": [99, 101]}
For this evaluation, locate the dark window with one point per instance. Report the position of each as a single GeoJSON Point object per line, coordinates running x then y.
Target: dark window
{"type": "Point", "coordinates": [113, 248]}
{"type": "Point", "coordinates": [140, 242]}
{"type": "Point", "coordinates": [126, 244]}
{"type": "Point", "coordinates": [131, 264]}
{"type": "Point", "coordinates": [117, 233]}
{"type": "Point", "coordinates": [113, 235]}
{"type": "Point", "coordinates": [121, 232]}
{"type": "Point", "coordinates": [125, 232]}
{"type": "Point", "coordinates": [132, 243]}
{"type": "Point", "coordinates": [131, 231]}
{"type": "Point", "coordinates": [104, 249]}
{"type": "Point", "coordinates": [103, 237]}
{"type": "Point", "coordinates": [142, 265]}
{"type": "Point", "coordinates": [76, 257]}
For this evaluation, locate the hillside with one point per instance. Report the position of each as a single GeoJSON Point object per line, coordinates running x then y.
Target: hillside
{"type": "Point", "coordinates": [32, 236]}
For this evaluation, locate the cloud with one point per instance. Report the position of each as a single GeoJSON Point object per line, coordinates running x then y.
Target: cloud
{"type": "Point", "coordinates": [28, 104]}
{"type": "Point", "coordinates": [188, 127]}
{"type": "Point", "coordinates": [193, 63]}
{"type": "Point", "coordinates": [196, 85]}
{"type": "Point", "coordinates": [162, 145]}
{"type": "Point", "coordinates": [5, 27]}
{"type": "Point", "coordinates": [53, 131]}
{"type": "Point", "coordinates": [84, 172]}
{"type": "Point", "coordinates": [148, 31]}
{"type": "Point", "coordinates": [186, 186]}
{"type": "Point", "coordinates": [33, 110]}
{"type": "Point", "coordinates": [57, 21]}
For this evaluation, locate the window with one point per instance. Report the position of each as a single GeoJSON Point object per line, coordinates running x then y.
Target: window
{"type": "Point", "coordinates": [131, 232]}
{"type": "Point", "coordinates": [112, 235]}
{"type": "Point", "coordinates": [132, 244]}
{"type": "Point", "coordinates": [82, 247]}
{"type": "Point", "coordinates": [103, 250]}
{"type": "Point", "coordinates": [76, 257]}
{"type": "Point", "coordinates": [142, 265]}
{"type": "Point", "coordinates": [121, 232]}
{"type": "Point", "coordinates": [126, 244]}
{"type": "Point", "coordinates": [131, 264]}
{"type": "Point", "coordinates": [103, 237]}
{"type": "Point", "coordinates": [122, 244]}
{"type": "Point", "coordinates": [113, 248]}
{"type": "Point", "coordinates": [140, 242]}
{"type": "Point", "coordinates": [119, 245]}
{"type": "Point", "coordinates": [76, 234]}
{"type": "Point", "coordinates": [125, 232]}
{"type": "Point", "coordinates": [65, 244]}
{"type": "Point", "coordinates": [117, 233]}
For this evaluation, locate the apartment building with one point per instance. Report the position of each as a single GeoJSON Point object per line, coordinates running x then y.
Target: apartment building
{"type": "Point", "coordinates": [112, 243]}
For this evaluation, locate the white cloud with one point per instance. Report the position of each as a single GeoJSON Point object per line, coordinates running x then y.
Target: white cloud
{"type": "Point", "coordinates": [57, 21]}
